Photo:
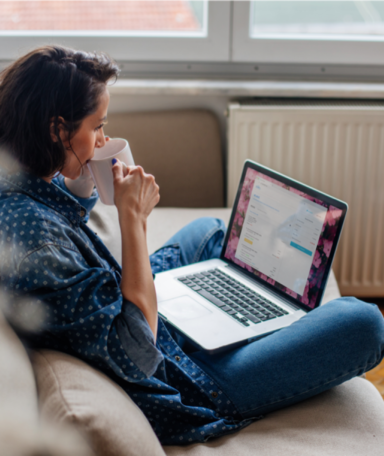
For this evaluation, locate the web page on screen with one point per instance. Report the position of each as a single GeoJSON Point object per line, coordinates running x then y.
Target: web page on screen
{"type": "Point", "coordinates": [280, 234]}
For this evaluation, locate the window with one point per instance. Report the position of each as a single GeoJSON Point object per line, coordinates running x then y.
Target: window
{"type": "Point", "coordinates": [224, 38]}
{"type": "Point", "coordinates": [316, 18]}
{"type": "Point", "coordinates": [128, 30]}
{"type": "Point", "coordinates": [309, 32]}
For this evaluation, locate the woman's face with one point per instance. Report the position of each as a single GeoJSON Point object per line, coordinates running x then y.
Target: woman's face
{"type": "Point", "coordinates": [88, 136]}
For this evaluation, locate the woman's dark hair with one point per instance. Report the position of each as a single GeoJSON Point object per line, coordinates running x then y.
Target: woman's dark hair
{"type": "Point", "coordinates": [38, 88]}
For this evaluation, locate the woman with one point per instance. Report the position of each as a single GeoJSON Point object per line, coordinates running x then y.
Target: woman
{"type": "Point", "coordinates": [53, 105]}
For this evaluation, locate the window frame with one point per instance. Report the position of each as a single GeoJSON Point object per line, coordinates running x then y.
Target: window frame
{"type": "Point", "coordinates": [312, 49]}
{"type": "Point", "coordinates": [227, 52]}
{"type": "Point", "coordinates": [214, 47]}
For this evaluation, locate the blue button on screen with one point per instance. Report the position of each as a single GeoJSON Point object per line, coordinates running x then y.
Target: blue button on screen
{"type": "Point", "coordinates": [302, 249]}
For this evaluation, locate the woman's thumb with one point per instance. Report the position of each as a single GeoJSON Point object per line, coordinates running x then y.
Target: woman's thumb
{"type": "Point", "coordinates": [117, 169]}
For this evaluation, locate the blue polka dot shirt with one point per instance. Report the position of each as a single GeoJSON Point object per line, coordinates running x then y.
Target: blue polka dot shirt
{"type": "Point", "coordinates": [60, 266]}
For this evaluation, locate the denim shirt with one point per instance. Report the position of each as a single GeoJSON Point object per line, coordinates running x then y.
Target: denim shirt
{"type": "Point", "coordinates": [64, 271]}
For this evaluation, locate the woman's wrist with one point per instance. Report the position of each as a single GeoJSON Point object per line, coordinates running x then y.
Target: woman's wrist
{"type": "Point", "coordinates": [131, 219]}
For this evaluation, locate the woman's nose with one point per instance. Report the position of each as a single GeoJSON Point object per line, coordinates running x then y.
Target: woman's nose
{"type": "Point", "coordinates": [100, 140]}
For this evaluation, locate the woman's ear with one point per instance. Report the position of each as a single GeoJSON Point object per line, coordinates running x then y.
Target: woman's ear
{"type": "Point", "coordinates": [62, 132]}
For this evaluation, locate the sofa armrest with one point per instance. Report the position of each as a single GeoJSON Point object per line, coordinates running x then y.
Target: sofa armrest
{"type": "Point", "coordinates": [72, 392]}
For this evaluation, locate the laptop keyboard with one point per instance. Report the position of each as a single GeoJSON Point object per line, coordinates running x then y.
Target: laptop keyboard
{"type": "Point", "coordinates": [240, 302]}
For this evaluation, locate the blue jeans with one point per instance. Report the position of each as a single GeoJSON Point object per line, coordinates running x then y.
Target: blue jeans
{"type": "Point", "coordinates": [330, 345]}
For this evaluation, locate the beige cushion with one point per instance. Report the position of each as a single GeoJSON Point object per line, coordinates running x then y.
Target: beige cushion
{"type": "Point", "coordinates": [72, 392]}
{"type": "Point", "coordinates": [182, 149]}
{"type": "Point", "coordinates": [345, 421]}
{"type": "Point", "coordinates": [17, 382]}
{"type": "Point", "coordinates": [22, 433]}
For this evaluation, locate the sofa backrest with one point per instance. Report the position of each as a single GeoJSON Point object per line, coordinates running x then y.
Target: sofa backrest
{"type": "Point", "coordinates": [182, 149]}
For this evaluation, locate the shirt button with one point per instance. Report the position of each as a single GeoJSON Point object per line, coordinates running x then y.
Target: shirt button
{"type": "Point", "coordinates": [177, 358]}
{"type": "Point", "coordinates": [214, 394]}
{"type": "Point", "coordinates": [82, 213]}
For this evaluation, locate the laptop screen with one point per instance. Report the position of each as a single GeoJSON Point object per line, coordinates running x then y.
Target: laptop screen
{"type": "Point", "coordinates": [284, 234]}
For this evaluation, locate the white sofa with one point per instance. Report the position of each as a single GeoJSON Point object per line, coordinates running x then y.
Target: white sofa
{"type": "Point", "coordinates": [347, 420]}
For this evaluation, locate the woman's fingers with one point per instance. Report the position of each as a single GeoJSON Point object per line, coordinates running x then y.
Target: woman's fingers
{"type": "Point", "coordinates": [125, 169]}
{"type": "Point", "coordinates": [135, 190]}
{"type": "Point", "coordinates": [148, 179]}
{"type": "Point", "coordinates": [117, 170]}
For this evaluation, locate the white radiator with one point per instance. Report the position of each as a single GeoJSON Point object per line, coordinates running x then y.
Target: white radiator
{"type": "Point", "coordinates": [337, 147]}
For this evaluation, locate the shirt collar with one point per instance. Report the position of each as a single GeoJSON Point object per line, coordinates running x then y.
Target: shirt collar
{"type": "Point", "coordinates": [49, 194]}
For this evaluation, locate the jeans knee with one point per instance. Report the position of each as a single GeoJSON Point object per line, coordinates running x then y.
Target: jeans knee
{"type": "Point", "coordinates": [363, 323]}
{"type": "Point", "coordinates": [210, 223]}
{"type": "Point", "coordinates": [213, 240]}
{"type": "Point", "coordinates": [372, 322]}
{"type": "Point", "coordinates": [211, 229]}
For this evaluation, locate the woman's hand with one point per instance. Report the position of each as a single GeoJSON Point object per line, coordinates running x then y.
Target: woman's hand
{"type": "Point", "coordinates": [135, 192]}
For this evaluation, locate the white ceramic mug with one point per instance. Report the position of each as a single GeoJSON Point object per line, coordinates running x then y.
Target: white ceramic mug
{"type": "Point", "coordinates": [101, 166]}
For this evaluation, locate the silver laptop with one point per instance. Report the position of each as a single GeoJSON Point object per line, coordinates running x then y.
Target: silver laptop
{"type": "Point", "coordinates": [273, 269]}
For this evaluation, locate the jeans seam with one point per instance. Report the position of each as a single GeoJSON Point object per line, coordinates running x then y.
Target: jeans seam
{"type": "Point", "coordinates": [248, 421]}
{"type": "Point", "coordinates": [306, 391]}
{"type": "Point", "coordinates": [203, 243]}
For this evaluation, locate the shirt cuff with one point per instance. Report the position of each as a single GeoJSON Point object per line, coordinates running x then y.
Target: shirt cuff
{"type": "Point", "coordinates": [137, 339]}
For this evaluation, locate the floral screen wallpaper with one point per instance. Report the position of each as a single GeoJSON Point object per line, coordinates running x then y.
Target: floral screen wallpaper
{"type": "Point", "coordinates": [322, 252]}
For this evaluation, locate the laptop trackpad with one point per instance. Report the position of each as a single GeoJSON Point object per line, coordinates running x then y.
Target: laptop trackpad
{"type": "Point", "coordinates": [184, 308]}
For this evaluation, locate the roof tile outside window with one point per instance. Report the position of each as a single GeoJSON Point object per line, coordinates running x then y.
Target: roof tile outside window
{"type": "Point", "coordinates": [113, 15]}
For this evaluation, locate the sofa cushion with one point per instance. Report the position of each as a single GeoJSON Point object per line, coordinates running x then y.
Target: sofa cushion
{"type": "Point", "coordinates": [17, 382]}
{"type": "Point", "coordinates": [347, 420]}
{"type": "Point", "coordinates": [182, 149]}
{"type": "Point", "coordinates": [22, 433]}
{"type": "Point", "coordinates": [72, 392]}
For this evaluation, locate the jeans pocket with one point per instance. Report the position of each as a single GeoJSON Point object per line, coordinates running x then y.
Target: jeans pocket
{"type": "Point", "coordinates": [165, 258]}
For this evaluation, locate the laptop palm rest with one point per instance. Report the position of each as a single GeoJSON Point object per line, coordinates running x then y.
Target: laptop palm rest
{"type": "Point", "coordinates": [184, 308]}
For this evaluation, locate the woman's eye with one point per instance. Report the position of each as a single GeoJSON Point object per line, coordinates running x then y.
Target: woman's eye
{"type": "Point", "coordinates": [100, 126]}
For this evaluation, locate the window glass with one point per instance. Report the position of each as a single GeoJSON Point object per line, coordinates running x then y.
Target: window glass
{"type": "Point", "coordinates": [147, 18]}
{"type": "Point", "coordinates": [316, 18]}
